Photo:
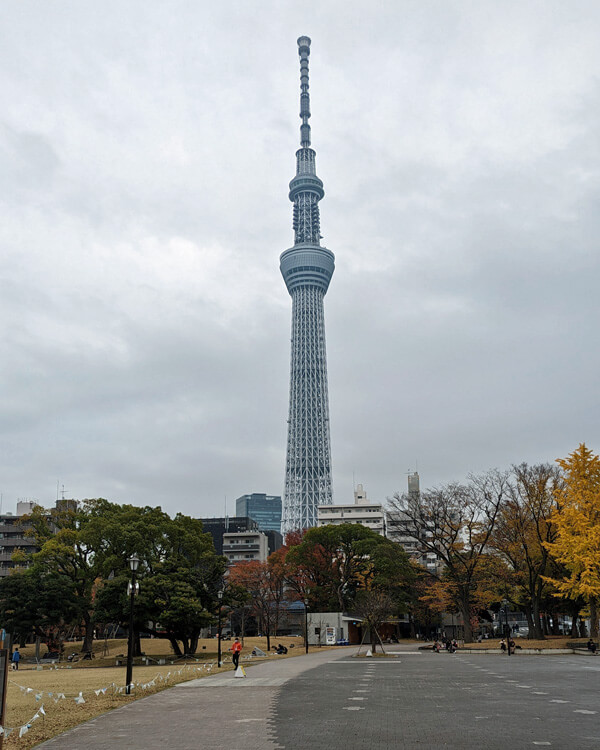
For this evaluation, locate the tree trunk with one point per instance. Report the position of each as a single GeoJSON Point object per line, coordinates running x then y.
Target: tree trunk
{"type": "Point", "coordinates": [529, 616]}
{"type": "Point", "coordinates": [88, 639]}
{"type": "Point", "coordinates": [536, 629]}
{"type": "Point", "coordinates": [465, 611]}
{"type": "Point", "coordinates": [593, 618]}
{"type": "Point", "coordinates": [546, 623]}
{"type": "Point", "coordinates": [174, 645]}
{"type": "Point", "coordinates": [137, 644]}
{"type": "Point", "coordinates": [574, 633]}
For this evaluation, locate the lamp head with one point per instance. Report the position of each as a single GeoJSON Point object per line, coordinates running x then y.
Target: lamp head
{"type": "Point", "coordinates": [134, 562]}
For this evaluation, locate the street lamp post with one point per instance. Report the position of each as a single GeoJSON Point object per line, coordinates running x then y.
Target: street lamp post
{"type": "Point", "coordinates": [220, 595]}
{"type": "Point", "coordinates": [306, 625]}
{"type": "Point", "coordinates": [133, 564]}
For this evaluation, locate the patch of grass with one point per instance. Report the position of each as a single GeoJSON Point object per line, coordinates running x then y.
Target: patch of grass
{"type": "Point", "coordinates": [100, 672]}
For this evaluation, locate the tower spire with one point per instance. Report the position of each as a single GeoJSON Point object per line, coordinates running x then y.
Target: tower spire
{"type": "Point", "coordinates": [304, 52]}
{"type": "Point", "coordinates": [306, 189]}
{"type": "Point", "coordinates": [307, 268]}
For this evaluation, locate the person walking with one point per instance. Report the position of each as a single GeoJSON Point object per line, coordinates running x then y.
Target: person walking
{"type": "Point", "coordinates": [236, 648]}
{"type": "Point", "coordinates": [16, 658]}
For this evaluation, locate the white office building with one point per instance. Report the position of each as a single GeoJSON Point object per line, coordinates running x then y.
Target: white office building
{"type": "Point", "coordinates": [361, 511]}
{"type": "Point", "coordinates": [244, 546]}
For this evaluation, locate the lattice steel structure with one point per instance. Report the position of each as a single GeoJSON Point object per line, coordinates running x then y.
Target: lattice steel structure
{"type": "Point", "coordinates": [307, 269]}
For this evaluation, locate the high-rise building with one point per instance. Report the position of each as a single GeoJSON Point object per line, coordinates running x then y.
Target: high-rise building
{"type": "Point", "coordinates": [414, 488]}
{"type": "Point", "coordinates": [403, 530]}
{"type": "Point", "coordinates": [264, 509]}
{"type": "Point", "coordinates": [13, 537]}
{"type": "Point", "coordinates": [307, 269]}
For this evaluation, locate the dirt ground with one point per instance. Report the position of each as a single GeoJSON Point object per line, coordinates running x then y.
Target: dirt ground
{"type": "Point", "coordinates": [30, 689]}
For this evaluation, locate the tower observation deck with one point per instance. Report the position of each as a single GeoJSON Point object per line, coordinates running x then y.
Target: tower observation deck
{"type": "Point", "coordinates": [307, 268]}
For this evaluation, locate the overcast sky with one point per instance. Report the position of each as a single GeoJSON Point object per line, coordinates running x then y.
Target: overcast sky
{"type": "Point", "coordinates": [145, 154]}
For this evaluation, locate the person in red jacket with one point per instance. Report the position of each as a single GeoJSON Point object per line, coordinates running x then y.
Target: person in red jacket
{"type": "Point", "coordinates": [236, 647]}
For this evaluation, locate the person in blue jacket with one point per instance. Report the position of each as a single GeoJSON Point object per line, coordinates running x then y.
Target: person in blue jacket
{"type": "Point", "coordinates": [16, 658]}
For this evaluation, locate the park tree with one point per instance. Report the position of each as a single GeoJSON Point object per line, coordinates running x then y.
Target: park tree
{"type": "Point", "coordinates": [576, 545]}
{"type": "Point", "coordinates": [333, 562]}
{"type": "Point", "coordinates": [424, 619]}
{"type": "Point", "coordinates": [521, 533]}
{"type": "Point", "coordinates": [455, 523]}
{"type": "Point", "coordinates": [66, 556]}
{"type": "Point", "coordinates": [179, 571]}
{"type": "Point", "coordinates": [309, 575]}
{"type": "Point", "coordinates": [34, 601]}
{"type": "Point", "coordinates": [264, 583]}
{"type": "Point", "coordinates": [441, 592]}
{"type": "Point", "coordinates": [239, 602]}
{"type": "Point", "coordinates": [88, 548]}
{"type": "Point", "coordinates": [374, 606]}
{"type": "Point", "coordinates": [385, 586]}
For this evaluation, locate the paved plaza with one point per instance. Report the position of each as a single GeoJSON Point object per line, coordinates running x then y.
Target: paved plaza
{"type": "Point", "coordinates": [332, 701]}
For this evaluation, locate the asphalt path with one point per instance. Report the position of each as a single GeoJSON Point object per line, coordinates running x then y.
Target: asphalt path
{"type": "Point", "coordinates": [442, 701]}
{"type": "Point", "coordinates": [333, 701]}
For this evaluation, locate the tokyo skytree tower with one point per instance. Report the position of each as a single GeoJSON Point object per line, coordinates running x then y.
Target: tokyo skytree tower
{"type": "Point", "coordinates": [307, 269]}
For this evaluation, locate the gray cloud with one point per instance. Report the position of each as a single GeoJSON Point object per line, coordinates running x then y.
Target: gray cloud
{"type": "Point", "coordinates": [145, 153]}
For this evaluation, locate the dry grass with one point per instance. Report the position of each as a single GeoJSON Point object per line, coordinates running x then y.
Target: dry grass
{"type": "Point", "coordinates": [88, 676]}
{"type": "Point", "coordinates": [552, 641]}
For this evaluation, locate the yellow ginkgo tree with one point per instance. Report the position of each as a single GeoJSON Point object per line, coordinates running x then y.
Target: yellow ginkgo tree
{"type": "Point", "coordinates": [577, 524]}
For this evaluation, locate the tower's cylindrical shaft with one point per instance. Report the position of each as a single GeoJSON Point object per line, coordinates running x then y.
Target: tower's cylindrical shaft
{"type": "Point", "coordinates": [307, 268]}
